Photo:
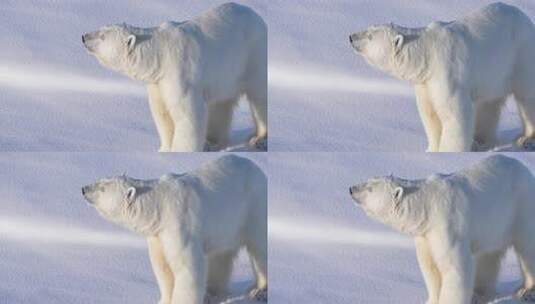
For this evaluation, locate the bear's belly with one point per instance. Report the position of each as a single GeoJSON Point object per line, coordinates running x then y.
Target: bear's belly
{"type": "Point", "coordinates": [215, 245]}
{"type": "Point", "coordinates": [486, 91]}
{"type": "Point", "coordinates": [218, 94]}
{"type": "Point", "coordinates": [492, 236]}
{"type": "Point", "coordinates": [493, 81]}
{"type": "Point", "coordinates": [497, 243]}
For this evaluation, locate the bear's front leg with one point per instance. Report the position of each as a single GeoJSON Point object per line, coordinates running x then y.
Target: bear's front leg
{"type": "Point", "coordinates": [162, 271]}
{"type": "Point", "coordinates": [161, 117]}
{"type": "Point", "coordinates": [429, 270]}
{"type": "Point", "coordinates": [187, 262]}
{"type": "Point", "coordinates": [457, 268]}
{"type": "Point", "coordinates": [430, 119]}
{"type": "Point", "coordinates": [458, 123]}
{"type": "Point", "coordinates": [188, 111]}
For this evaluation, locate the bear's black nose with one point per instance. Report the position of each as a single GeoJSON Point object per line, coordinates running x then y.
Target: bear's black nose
{"type": "Point", "coordinates": [350, 39]}
{"type": "Point", "coordinates": [350, 190]}
{"type": "Point", "coordinates": [83, 190]}
{"type": "Point", "coordinates": [83, 38]}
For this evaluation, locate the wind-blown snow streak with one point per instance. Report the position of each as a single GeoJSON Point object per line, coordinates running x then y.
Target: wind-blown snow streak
{"type": "Point", "coordinates": [36, 231]}
{"type": "Point", "coordinates": [287, 230]}
{"type": "Point", "coordinates": [317, 79]}
{"type": "Point", "coordinates": [53, 79]}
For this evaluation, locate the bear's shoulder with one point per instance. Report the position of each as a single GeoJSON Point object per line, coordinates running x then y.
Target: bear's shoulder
{"type": "Point", "coordinates": [170, 25]}
{"type": "Point", "coordinates": [441, 180]}
{"type": "Point", "coordinates": [171, 177]}
{"type": "Point", "coordinates": [441, 28]}
{"type": "Point", "coordinates": [435, 25]}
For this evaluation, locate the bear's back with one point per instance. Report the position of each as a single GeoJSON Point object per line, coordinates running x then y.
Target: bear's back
{"type": "Point", "coordinates": [494, 15]}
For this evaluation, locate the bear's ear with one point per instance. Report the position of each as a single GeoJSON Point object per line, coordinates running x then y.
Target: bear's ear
{"type": "Point", "coordinates": [398, 194]}
{"type": "Point", "coordinates": [398, 41]}
{"type": "Point", "coordinates": [131, 41]}
{"type": "Point", "coordinates": [130, 195]}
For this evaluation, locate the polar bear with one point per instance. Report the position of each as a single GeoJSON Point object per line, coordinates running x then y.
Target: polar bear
{"type": "Point", "coordinates": [195, 224]}
{"type": "Point", "coordinates": [462, 72]}
{"type": "Point", "coordinates": [195, 72]}
{"type": "Point", "coordinates": [462, 224]}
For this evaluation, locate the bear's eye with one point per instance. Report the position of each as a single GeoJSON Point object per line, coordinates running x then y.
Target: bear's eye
{"type": "Point", "coordinates": [370, 37]}
{"type": "Point", "coordinates": [102, 37]}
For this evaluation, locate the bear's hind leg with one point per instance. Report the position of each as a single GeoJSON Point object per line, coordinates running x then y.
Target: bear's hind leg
{"type": "Point", "coordinates": [258, 105]}
{"type": "Point", "coordinates": [526, 107]}
{"type": "Point", "coordinates": [256, 93]}
{"type": "Point", "coordinates": [487, 269]}
{"type": "Point", "coordinates": [219, 123]}
{"type": "Point", "coordinates": [487, 118]}
{"type": "Point", "coordinates": [256, 245]}
{"type": "Point", "coordinates": [219, 271]}
{"type": "Point", "coordinates": [525, 250]}
{"type": "Point", "coordinates": [164, 275]}
{"type": "Point", "coordinates": [161, 117]}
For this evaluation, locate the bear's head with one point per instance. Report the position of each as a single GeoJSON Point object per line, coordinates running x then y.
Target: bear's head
{"type": "Point", "coordinates": [379, 197]}
{"type": "Point", "coordinates": [111, 45]}
{"type": "Point", "coordinates": [111, 196]}
{"type": "Point", "coordinates": [378, 44]}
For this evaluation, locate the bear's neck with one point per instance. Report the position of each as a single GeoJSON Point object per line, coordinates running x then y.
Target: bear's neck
{"type": "Point", "coordinates": [144, 215]}
{"type": "Point", "coordinates": [412, 62]}
{"type": "Point", "coordinates": [412, 215]}
{"type": "Point", "coordinates": [145, 60]}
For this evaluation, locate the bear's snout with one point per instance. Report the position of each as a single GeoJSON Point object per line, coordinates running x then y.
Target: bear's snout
{"type": "Point", "coordinates": [354, 190]}
{"type": "Point", "coordinates": [85, 190]}
{"type": "Point", "coordinates": [86, 40]}
{"type": "Point", "coordinates": [355, 41]}
{"type": "Point", "coordinates": [353, 38]}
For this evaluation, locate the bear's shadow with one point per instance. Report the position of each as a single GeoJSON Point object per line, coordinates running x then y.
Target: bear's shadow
{"type": "Point", "coordinates": [506, 291]}
{"type": "Point", "coordinates": [239, 294]}
{"type": "Point", "coordinates": [506, 139]}
{"type": "Point", "coordinates": [239, 141]}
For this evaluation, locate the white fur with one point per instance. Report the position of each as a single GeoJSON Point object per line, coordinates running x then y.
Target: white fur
{"type": "Point", "coordinates": [195, 224]}
{"type": "Point", "coordinates": [195, 72]}
{"type": "Point", "coordinates": [462, 224]}
{"type": "Point", "coordinates": [462, 72]}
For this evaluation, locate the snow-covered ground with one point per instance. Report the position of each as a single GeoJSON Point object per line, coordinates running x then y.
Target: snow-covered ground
{"type": "Point", "coordinates": [324, 249]}
{"type": "Point", "coordinates": [54, 96]}
{"type": "Point", "coordinates": [323, 97]}
{"type": "Point", "coordinates": [56, 249]}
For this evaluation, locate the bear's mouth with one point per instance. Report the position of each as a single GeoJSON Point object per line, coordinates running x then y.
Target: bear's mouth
{"type": "Point", "coordinates": [357, 202]}
{"type": "Point", "coordinates": [88, 48]}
